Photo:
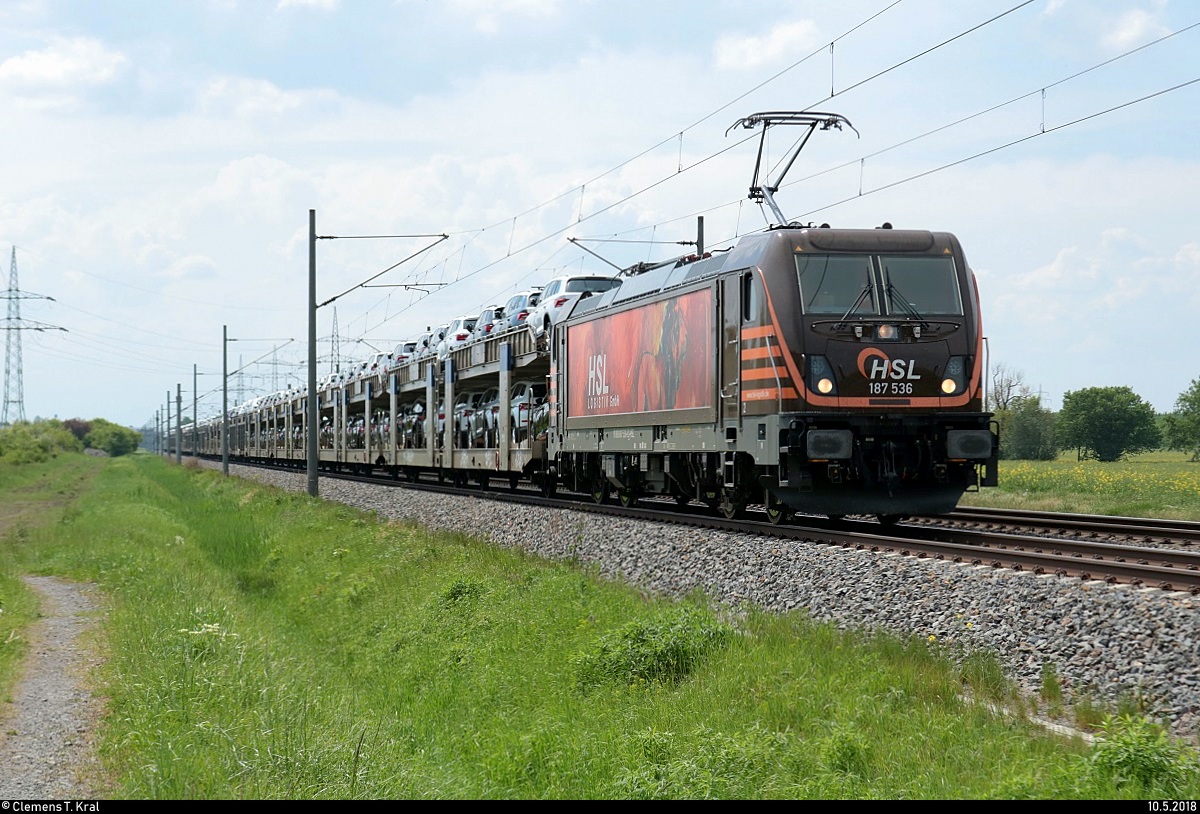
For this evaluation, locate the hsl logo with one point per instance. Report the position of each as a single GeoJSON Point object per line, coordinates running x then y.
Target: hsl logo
{"type": "Point", "coordinates": [875, 364]}
{"type": "Point", "coordinates": [597, 381]}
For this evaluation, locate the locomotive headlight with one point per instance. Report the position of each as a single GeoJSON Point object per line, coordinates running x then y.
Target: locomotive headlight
{"type": "Point", "coordinates": [886, 333]}
{"type": "Point", "coordinates": [820, 375]}
{"type": "Point", "coordinates": [955, 380]}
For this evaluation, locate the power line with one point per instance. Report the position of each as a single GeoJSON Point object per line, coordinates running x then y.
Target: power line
{"type": "Point", "coordinates": [1014, 142]}
{"type": "Point", "coordinates": [580, 188]}
{"type": "Point", "coordinates": [861, 159]}
{"type": "Point", "coordinates": [440, 238]}
{"type": "Point", "coordinates": [625, 199]}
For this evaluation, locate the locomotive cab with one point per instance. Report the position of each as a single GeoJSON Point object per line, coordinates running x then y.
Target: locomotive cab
{"type": "Point", "coordinates": [884, 348]}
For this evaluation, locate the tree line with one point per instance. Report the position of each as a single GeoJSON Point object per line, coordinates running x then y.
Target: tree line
{"type": "Point", "coordinates": [1100, 423]}
{"type": "Point", "coordinates": [43, 439]}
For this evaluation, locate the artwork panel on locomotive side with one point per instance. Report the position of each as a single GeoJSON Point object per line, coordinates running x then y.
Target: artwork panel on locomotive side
{"type": "Point", "coordinates": [815, 370]}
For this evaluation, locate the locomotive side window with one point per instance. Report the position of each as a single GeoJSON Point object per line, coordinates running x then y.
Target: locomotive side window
{"type": "Point", "coordinates": [919, 286]}
{"type": "Point", "coordinates": [836, 284]}
{"type": "Point", "coordinates": [749, 301]}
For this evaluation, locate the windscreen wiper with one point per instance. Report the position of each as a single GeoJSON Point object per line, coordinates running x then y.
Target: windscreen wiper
{"type": "Point", "coordinates": [861, 296]}
{"type": "Point", "coordinates": [909, 308]}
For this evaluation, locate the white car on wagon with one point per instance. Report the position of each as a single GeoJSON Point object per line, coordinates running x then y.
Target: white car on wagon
{"type": "Point", "coordinates": [457, 333]}
{"type": "Point", "coordinates": [517, 309]}
{"type": "Point", "coordinates": [559, 296]}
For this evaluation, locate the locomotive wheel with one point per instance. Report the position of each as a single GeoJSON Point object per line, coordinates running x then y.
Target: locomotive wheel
{"type": "Point", "coordinates": [485, 481]}
{"type": "Point", "coordinates": [891, 519]}
{"type": "Point", "coordinates": [682, 500]}
{"type": "Point", "coordinates": [778, 512]}
{"type": "Point", "coordinates": [628, 498]}
{"type": "Point", "coordinates": [513, 480]}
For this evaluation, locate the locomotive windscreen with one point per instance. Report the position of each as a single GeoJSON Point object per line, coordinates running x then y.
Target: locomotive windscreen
{"type": "Point", "coordinates": [837, 284]}
{"type": "Point", "coordinates": [857, 285]}
{"type": "Point", "coordinates": [921, 286]}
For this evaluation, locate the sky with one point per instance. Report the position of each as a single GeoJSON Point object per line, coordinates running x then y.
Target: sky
{"type": "Point", "coordinates": [159, 163]}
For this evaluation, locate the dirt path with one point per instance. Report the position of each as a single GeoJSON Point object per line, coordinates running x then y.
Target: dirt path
{"type": "Point", "coordinates": [47, 726]}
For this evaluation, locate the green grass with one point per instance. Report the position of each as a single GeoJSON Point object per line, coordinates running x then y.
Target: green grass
{"type": "Point", "coordinates": [267, 645]}
{"type": "Point", "coordinates": [1157, 484]}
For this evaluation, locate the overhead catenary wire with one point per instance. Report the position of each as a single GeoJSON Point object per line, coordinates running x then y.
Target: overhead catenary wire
{"type": "Point", "coordinates": [625, 199]}
{"type": "Point", "coordinates": [440, 238]}
{"type": "Point", "coordinates": [405, 305]}
{"type": "Point", "coordinates": [1040, 133]}
{"type": "Point", "coordinates": [678, 134]}
{"type": "Point", "coordinates": [515, 250]}
{"type": "Point", "coordinates": [725, 106]}
{"type": "Point", "coordinates": [961, 120]}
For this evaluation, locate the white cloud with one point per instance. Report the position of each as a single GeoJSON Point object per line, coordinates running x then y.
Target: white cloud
{"type": "Point", "coordinates": [1133, 28]}
{"type": "Point", "coordinates": [490, 14]}
{"type": "Point", "coordinates": [54, 76]}
{"type": "Point", "coordinates": [255, 97]}
{"type": "Point", "coordinates": [66, 63]}
{"type": "Point", "coordinates": [792, 40]}
{"type": "Point", "coordinates": [192, 267]}
{"type": "Point", "coordinates": [326, 5]}
{"type": "Point", "coordinates": [1189, 255]}
{"type": "Point", "coordinates": [1184, 282]}
{"type": "Point", "coordinates": [257, 184]}
{"type": "Point", "coordinates": [1116, 272]}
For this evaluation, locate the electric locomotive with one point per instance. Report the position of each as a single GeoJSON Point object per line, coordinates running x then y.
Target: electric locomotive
{"type": "Point", "coordinates": [816, 370]}
{"type": "Point", "coordinates": [810, 369]}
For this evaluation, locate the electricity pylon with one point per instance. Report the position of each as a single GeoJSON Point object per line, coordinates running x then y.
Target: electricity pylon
{"type": "Point", "coordinates": [14, 374]}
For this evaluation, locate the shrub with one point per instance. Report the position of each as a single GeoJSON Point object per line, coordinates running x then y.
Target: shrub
{"type": "Point", "coordinates": [33, 442]}
{"type": "Point", "coordinates": [665, 649]}
{"type": "Point", "coordinates": [1135, 752]}
{"type": "Point", "coordinates": [112, 438]}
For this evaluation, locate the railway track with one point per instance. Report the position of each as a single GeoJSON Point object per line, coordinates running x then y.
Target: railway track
{"type": "Point", "coordinates": [1181, 533]}
{"type": "Point", "coordinates": [1149, 553]}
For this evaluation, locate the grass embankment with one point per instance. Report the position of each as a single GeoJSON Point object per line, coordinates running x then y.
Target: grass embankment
{"type": "Point", "coordinates": [264, 644]}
